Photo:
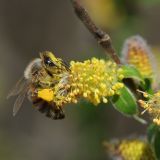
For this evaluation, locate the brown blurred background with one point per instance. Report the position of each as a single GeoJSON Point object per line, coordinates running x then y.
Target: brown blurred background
{"type": "Point", "coordinates": [28, 27]}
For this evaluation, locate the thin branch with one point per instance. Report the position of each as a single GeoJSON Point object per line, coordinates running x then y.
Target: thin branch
{"type": "Point", "coordinates": [102, 37]}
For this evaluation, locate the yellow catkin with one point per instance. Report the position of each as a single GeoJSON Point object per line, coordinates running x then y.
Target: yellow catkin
{"type": "Point", "coordinates": [152, 106]}
{"type": "Point", "coordinates": [135, 150]}
{"type": "Point", "coordinates": [129, 149]}
{"type": "Point", "coordinates": [95, 80]}
{"type": "Point", "coordinates": [137, 53]}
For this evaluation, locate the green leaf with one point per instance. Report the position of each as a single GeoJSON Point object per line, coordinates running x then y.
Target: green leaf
{"type": "Point", "coordinates": [152, 129]}
{"type": "Point", "coordinates": [147, 86]}
{"type": "Point", "coordinates": [132, 72]}
{"type": "Point", "coordinates": [157, 145]}
{"type": "Point", "coordinates": [153, 134]}
{"type": "Point", "coordinates": [149, 2]}
{"type": "Point", "coordinates": [125, 102]}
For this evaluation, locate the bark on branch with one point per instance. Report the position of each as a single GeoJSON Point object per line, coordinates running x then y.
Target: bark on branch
{"type": "Point", "coordinates": [102, 37]}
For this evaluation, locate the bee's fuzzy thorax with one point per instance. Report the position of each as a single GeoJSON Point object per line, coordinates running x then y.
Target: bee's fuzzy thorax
{"type": "Point", "coordinates": [35, 63]}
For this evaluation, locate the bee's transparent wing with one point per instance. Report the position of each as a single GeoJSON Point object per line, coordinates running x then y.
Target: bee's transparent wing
{"type": "Point", "coordinates": [20, 99]}
{"type": "Point", "coordinates": [20, 85]}
{"type": "Point", "coordinates": [20, 89]}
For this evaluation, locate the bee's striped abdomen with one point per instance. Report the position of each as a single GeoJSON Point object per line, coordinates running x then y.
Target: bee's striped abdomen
{"type": "Point", "coordinates": [49, 109]}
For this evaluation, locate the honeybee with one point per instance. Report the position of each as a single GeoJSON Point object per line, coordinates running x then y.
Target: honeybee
{"type": "Point", "coordinates": [41, 73]}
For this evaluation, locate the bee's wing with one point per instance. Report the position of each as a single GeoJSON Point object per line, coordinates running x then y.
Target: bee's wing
{"type": "Point", "coordinates": [20, 89]}
{"type": "Point", "coordinates": [20, 99]}
{"type": "Point", "coordinates": [20, 85]}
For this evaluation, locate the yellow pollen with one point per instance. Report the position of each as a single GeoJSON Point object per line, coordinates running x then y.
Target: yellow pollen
{"type": "Point", "coordinates": [46, 94]}
{"type": "Point", "coordinates": [135, 150]}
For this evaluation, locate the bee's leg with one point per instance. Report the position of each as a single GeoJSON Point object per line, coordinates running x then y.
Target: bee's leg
{"type": "Point", "coordinates": [58, 113]}
{"type": "Point", "coordinates": [49, 113]}
{"type": "Point", "coordinates": [61, 114]}
{"type": "Point", "coordinates": [44, 84]}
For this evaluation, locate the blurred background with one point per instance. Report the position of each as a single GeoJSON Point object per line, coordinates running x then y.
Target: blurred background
{"type": "Point", "coordinates": [28, 27]}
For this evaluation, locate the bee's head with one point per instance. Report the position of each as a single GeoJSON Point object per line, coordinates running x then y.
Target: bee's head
{"type": "Point", "coordinates": [49, 61]}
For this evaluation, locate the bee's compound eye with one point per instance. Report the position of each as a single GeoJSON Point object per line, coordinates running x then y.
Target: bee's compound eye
{"type": "Point", "coordinates": [48, 62]}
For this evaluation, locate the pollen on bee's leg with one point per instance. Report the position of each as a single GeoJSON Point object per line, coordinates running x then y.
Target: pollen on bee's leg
{"type": "Point", "coordinates": [46, 94]}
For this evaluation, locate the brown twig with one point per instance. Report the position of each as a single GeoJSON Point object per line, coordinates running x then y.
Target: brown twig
{"type": "Point", "coordinates": [102, 37]}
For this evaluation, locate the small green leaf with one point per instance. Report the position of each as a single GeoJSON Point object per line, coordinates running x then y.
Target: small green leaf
{"type": "Point", "coordinates": [149, 2]}
{"type": "Point", "coordinates": [152, 129]}
{"type": "Point", "coordinates": [147, 86]}
{"type": "Point", "coordinates": [154, 139]}
{"type": "Point", "coordinates": [132, 72]}
{"type": "Point", "coordinates": [157, 144]}
{"type": "Point", "coordinates": [125, 102]}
